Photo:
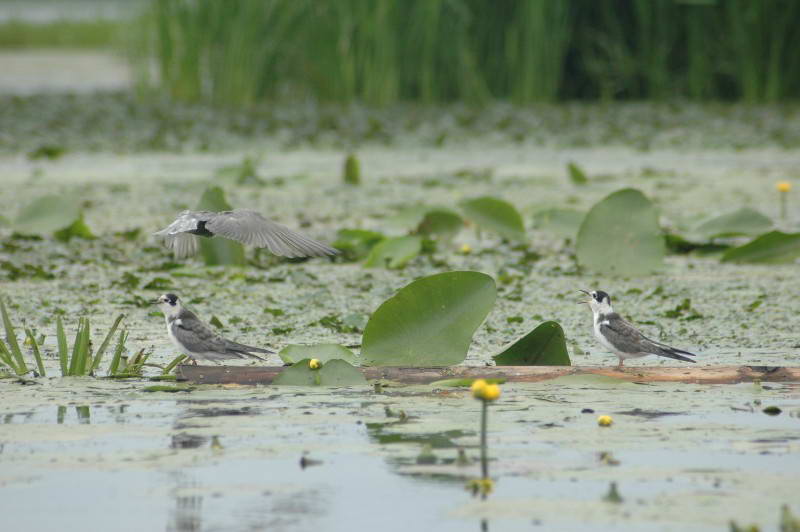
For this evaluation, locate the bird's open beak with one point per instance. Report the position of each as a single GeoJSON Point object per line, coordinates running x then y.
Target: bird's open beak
{"type": "Point", "coordinates": [585, 301]}
{"type": "Point", "coordinates": [154, 301]}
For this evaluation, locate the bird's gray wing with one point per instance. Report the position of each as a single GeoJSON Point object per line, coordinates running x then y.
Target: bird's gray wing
{"type": "Point", "coordinates": [623, 335]}
{"type": "Point", "coordinates": [196, 336]}
{"type": "Point", "coordinates": [176, 235]}
{"type": "Point", "coordinates": [628, 339]}
{"type": "Point", "coordinates": [250, 228]}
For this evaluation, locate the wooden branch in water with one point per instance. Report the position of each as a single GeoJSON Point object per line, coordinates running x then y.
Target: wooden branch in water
{"type": "Point", "coordinates": [405, 375]}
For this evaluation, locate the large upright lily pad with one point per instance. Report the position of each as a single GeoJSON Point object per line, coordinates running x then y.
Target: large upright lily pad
{"type": "Point", "coordinates": [429, 322]}
{"type": "Point", "coordinates": [543, 346]}
{"type": "Point", "coordinates": [741, 222]}
{"type": "Point", "coordinates": [621, 236]}
{"type": "Point", "coordinates": [495, 215]}
{"type": "Point", "coordinates": [218, 251]}
{"type": "Point", "coordinates": [48, 214]}
{"type": "Point", "coordinates": [332, 373]}
{"type": "Point", "coordinates": [774, 247]}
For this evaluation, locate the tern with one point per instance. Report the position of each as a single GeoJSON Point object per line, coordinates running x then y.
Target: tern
{"type": "Point", "coordinates": [622, 338]}
{"type": "Point", "coordinates": [243, 225]}
{"type": "Point", "coordinates": [196, 339]}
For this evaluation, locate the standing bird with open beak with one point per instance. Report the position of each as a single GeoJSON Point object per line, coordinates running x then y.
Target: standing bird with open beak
{"type": "Point", "coordinates": [622, 338]}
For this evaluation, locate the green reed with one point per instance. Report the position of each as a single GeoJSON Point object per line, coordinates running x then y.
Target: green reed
{"type": "Point", "coordinates": [383, 51]}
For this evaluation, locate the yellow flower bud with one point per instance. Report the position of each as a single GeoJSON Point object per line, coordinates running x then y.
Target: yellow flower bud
{"type": "Point", "coordinates": [314, 363]}
{"type": "Point", "coordinates": [477, 387]}
{"type": "Point", "coordinates": [783, 186]}
{"type": "Point", "coordinates": [605, 421]}
{"type": "Point", "coordinates": [491, 392]}
{"type": "Point", "coordinates": [466, 249]}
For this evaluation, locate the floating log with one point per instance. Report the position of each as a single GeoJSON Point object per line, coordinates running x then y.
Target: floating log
{"type": "Point", "coordinates": [406, 375]}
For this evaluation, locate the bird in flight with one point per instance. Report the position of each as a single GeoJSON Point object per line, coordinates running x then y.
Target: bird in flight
{"type": "Point", "coordinates": [196, 339]}
{"type": "Point", "coordinates": [242, 225]}
{"type": "Point", "coordinates": [622, 338]}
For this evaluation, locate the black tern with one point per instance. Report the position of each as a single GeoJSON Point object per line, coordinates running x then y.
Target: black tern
{"type": "Point", "coordinates": [242, 225]}
{"type": "Point", "coordinates": [196, 339]}
{"type": "Point", "coordinates": [622, 338]}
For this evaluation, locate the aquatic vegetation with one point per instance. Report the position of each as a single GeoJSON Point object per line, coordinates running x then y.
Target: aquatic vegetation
{"type": "Point", "coordinates": [394, 253]}
{"type": "Point", "coordinates": [335, 372]}
{"type": "Point", "coordinates": [60, 216]}
{"type": "Point", "coordinates": [740, 222]}
{"type": "Point", "coordinates": [486, 393]}
{"type": "Point", "coordinates": [576, 174]}
{"type": "Point", "coordinates": [429, 322]}
{"type": "Point", "coordinates": [495, 215]}
{"type": "Point", "coordinates": [621, 236]}
{"type": "Point", "coordinates": [351, 173]}
{"type": "Point", "coordinates": [81, 362]}
{"type": "Point", "coordinates": [11, 355]}
{"type": "Point", "coordinates": [774, 247]}
{"type": "Point", "coordinates": [322, 353]}
{"type": "Point", "coordinates": [783, 187]}
{"type": "Point", "coordinates": [563, 223]}
{"type": "Point", "coordinates": [543, 346]}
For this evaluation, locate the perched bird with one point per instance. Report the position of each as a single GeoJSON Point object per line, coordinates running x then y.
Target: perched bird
{"type": "Point", "coordinates": [242, 225]}
{"type": "Point", "coordinates": [622, 338]}
{"type": "Point", "coordinates": [196, 339]}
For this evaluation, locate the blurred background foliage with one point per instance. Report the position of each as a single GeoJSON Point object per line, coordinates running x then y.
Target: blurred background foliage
{"type": "Point", "coordinates": [380, 52]}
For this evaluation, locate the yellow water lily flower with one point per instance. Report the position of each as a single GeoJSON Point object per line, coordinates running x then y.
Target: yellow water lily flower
{"type": "Point", "coordinates": [477, 387]}
{"type": "Point", "coordinates": [314, 363]}
{"type": "Point", "coordinates": [485, 391]}
{"type": "Point", "coordinates": [783, 186]}
{"type": "Point", "coordinates": [605, 421]}
{"type": "Point", "coordinates": [466, 249]}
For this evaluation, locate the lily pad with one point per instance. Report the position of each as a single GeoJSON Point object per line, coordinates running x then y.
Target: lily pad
{"type": "Point", "coordinates": [561, 222]}
{"type": "Point", "coordinates": [429, 322]}
{"type": "Point", "coordinates": [332, 373]}
{"type": "Point", "coordinates": [620, 236]}
{"type": "Point", "coordinates": [744, 221]}
{"type": "Point", "coordinates": [218, 251]}
{"type": "Point", "coordinates": [395, 252]}
{"type": "Point", "coordinates": [291, 354]}
{"type": "Point", "coordinates": [774, 247]}
{"type": "Point", "coordinates": [440, 223]}
{"type": "Point", "coordinates": [543, 346]}
{"type": "Point", "coordinates": [576, 174]}
{"type": "Point", "coordinates": [355, 244]}
{"type": "Point", "coordinates": [496, 215]}
{"type": "Point", "coordinates": [47, 215]}
{"type": "Point", "coordinates": [78, 229]}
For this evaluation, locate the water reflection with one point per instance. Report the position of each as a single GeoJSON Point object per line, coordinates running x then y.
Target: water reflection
{"type": "Point", "coordinates": [187, 514]}
{"type": "Point", "coordinates": [82, 414]}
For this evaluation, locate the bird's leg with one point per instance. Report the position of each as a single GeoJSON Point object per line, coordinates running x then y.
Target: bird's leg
{"type": "Point", "coordinates": [621, 360]}
{"type": "Point", "coordinates": [194, 362]}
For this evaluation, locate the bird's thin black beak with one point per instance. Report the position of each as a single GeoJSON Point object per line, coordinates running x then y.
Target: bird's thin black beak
{"type": "Point", "coordinates": [584, 301]}
{"type": "Point", "coordinates": [154, 301]}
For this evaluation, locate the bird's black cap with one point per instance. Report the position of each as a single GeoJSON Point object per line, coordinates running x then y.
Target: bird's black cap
{"type": "Point", "coordinates": [171, 298]}
{"type": "Point", "coordinates": [599, 295]}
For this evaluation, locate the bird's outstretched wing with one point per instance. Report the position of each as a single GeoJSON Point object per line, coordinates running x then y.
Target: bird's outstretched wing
{"type": "Point", "coordinates": [177, 235]}
{"type": "Point", "coordinates": [628, 339]}
{"type": "Point", "coordinates": [249, 227]}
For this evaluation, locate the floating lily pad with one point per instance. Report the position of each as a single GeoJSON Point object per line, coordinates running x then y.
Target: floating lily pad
{"type": "Point", "coordinates": [429, 322]}
{"type": "Point", "coordinates": [78, 229]}
{"type": "Point", "coordinates": [440, 223]}
{"type": "Point", "coordinates": [355, 244]}
{"type": "Point", "coordinates": [291, 354]}
{"type": "Point", "coordinates": [561, 222]}
{"type": "Point", "coordinates": [47, 215]}
{"type": "Point", "coordinates": [620, 236]}
{"type": "Point", "coordinates": [543, 346]}
{"type": "Point", "coordinates": [744, 221]}
{"type": "Point", "coordinates": [332, 373]}
{"type": "Point", "coordinates": [495, 215]}
{"type": "Point", "coordinates": [394, 253]}
{"type": "Point", "coordinates": [774, 247]}
{"type": "Point", "coordinates": [218, 251]}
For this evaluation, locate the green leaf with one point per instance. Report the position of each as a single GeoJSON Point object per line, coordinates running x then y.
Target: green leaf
{"type": "Point", "coordinates": [333, 373]}
{"type": "Point", "coordinates": [620, 236]}
{"type": "Point", "coordinates": [543, 346]}
{"type": "Point", "coordinates": [394, 252]}
{"type": "Point", "coordinates": [351, 173]}
{"type": "Point", "coordinates": [355, 244]}
{"type": "Point", "coordinates": [442, 223]}
{"type": "Point", "coordinates": [495, 215]}
{"type": "Point", "coordinates": [47, 215]}
{"type": "Point", "coordinates": [429, 322]}
{"type": "Point", "coordinates": [293, 353]}
{"type": "Point", "coordinates": [744, 221]}
{"type": "Point", "coordinates": [774, 247]}
{"type": "Point", "coordinates": [11, 339]}
{"type": "Point", "coordinates": [409, 218]}
{"type": "Point", "coordinates": [576, 174]}
{"type": "Point", "coordinates": [561, 222]}
{"type": "Point", "coordinates": [218, 251]}
{"type": "Point", "coordinates": [78, 229]}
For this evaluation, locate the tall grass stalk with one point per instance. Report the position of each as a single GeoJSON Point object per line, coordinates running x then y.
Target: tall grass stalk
{"type": "Point", "coordinates": [382, 51]}
{"type": "Point", "coordinates": [13, 355]}
{"type": "Point", "coordinates": [36, 354]}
